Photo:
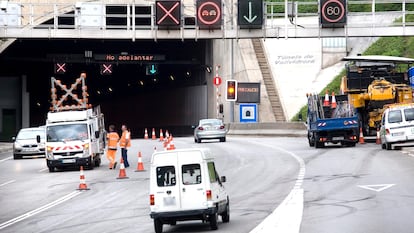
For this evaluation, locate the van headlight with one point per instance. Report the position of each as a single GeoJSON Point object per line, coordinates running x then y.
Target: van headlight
{"type": "Point", "coordinates": [86, 149]}
{"type": "Point", "coordinates": [17, 146]}
{"type": "Point", "coordinates": [49, 152]}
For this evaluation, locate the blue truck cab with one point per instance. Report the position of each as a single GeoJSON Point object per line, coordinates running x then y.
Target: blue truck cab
{"type": "Point", "coordinates": [331, 119]}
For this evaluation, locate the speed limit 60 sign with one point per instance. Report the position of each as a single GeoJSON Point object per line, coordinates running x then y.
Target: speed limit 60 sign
{"type": "Point", "coordinates": [333, 13]}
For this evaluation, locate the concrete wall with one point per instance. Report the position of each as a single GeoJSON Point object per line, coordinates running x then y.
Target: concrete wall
{"type": "Point", "coordinates": [245, 69]}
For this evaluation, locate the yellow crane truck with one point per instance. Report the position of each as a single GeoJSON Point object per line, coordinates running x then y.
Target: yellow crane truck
{"type": "Point", "coordinates": [374, 81]}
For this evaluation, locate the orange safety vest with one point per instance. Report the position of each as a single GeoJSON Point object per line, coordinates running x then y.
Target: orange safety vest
{"type": "Point", "coordinates": [125, 135]}
{"type": "Point", "coordinates": [113, 139]}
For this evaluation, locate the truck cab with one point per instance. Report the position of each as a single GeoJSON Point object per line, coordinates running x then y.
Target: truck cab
{"type": "Point", "coordinates": [184, 185]}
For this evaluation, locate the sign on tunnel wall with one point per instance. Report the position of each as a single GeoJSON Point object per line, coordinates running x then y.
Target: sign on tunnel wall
{"type": "Point", "coordinates": [248, 93]}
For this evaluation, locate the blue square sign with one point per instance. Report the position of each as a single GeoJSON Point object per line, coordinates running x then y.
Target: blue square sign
{"type": "Point", "coordinates": [248, 113]}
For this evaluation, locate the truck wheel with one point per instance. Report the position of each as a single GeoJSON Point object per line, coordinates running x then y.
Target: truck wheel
{"type": "Point", "coordinates": [311, 142]}
{"type": "Point", "coordinates": [91, 163]}
{"type": "Point", "coordinates": [157, 225]}
{"type": "Point", "coordinates": [51, 169]}
{"type": "Point", "coordinates": [17, 156]}
{"type": "Point", "coordinates": [225, 217]}
{"type": "Point", "coordinates": [383, 146]}
{"type": "Point", "coordinates": [97, 162]}
{"type": "Point", "coordinates": [388, 146]}
{"type": "Point", "coordinates": [213, 221]}
{"type": "Point", "coordinates": [223, 139]}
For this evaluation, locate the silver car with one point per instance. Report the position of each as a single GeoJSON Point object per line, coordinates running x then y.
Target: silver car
{"type": "Point", "coordinates": [26, 143]}
{"type": "Point", "coordinates": [210, 129]}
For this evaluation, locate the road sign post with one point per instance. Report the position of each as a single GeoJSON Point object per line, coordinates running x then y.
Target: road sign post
{"type": "Point", "coordinates": [250, 13]}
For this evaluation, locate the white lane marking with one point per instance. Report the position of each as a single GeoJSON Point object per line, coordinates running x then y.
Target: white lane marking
{"type": "Point", "coordinates": [376, 187]}
{"type": "Point", "coordinates": [287, 217]}
{"type": "Point", "coordinates": [43, 169]}
{"type": "Point", "coordinates": [8, 158]}
{"type": "Point", "coordinates": [8, 182]}
{"type": "Point", "coordinates": [39, 210]}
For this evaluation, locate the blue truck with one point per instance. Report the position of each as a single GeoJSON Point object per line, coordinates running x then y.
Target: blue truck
{"type": "Point", "coordinates": [331, 119]}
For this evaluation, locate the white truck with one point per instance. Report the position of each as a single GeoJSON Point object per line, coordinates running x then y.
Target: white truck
{"type": "Point", "coordinates": [184, 185]}
{"type": "Point", "coordinates": [75, 137]}
{"type": "Point", "coordinates": [75, 133]}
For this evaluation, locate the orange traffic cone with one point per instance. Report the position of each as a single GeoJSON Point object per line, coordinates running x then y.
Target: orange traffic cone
{"type": "Point", "coordinates": [82, 184]}
{"type": "Point", "coordinates": [140, 166]}
{"type": "Point", "coordinates": [361, 136]}
{"type": "Point", "coordinates": [153, 134]}
{"type": "Point", "coordinates": [171, 145]}
{"type": "Point", "coordinates": [326, 101]}
{"type": "Point", "coordinates": [122, 172]}
{"type": "Point", "coordinates": [378, 140]}
{"type": "Point", "coordinates": [161, 135]}
{"type": "Point", "coordinates": [146, 134]}
{"type": "Point", "coordinates": [333, 103]}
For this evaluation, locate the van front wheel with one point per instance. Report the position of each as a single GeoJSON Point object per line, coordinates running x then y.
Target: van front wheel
{"type": "Point", "coordinates": [226, 215]}
{"type": "Point", "coordinates": [213, 221]}
{"type": "Point", "coordinates": [157, 225]}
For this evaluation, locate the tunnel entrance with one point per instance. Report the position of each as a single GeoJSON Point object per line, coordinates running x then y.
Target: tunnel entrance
{"type": "Point", "coordinates": [144, 84]}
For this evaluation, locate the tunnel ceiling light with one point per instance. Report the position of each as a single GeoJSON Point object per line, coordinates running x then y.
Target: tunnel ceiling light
{"type": "Point", "coordinates": [38, 104]}
{"type": "Point", "coordinates": [172, 77]}
{"type": "Point", "coordinates": [98, 92]}
{"type": "Point", "coordinates": [208, 69]}
{"type": "Point", "coordinates": [188, 73]}
{"type": "Point", "coordinates": [141, 83]}
{"type": "Point", "coordinates": [155, 80]}
{"type": "Point", "coordinates": [110, 89]}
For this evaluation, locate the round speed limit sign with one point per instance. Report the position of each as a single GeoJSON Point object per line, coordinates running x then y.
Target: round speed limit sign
{"type": "Point", "coordinates": [333, 11]}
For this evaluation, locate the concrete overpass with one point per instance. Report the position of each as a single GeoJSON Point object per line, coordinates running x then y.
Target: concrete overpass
{"type": "Point", "coordinates": [138, 20]}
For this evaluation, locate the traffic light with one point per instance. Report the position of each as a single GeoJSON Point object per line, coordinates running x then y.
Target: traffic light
{"type": "Point", "coordinates": [231, 90]}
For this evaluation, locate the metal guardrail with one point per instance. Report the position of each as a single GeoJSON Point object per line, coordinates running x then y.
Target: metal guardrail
{"type": "Point", "coordinates": [137, 21]}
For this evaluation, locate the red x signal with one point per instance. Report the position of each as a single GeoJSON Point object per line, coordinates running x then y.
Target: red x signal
{"type": "Point", "coordinates": [106, 69]}
{"type": "Point", "coordinates": [168, 13]}
{"type": "Point", "coordinates": [60, 68]}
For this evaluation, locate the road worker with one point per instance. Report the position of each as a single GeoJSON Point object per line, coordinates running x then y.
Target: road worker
{"type": "Point", "coordinates": [125, 143]}
{"type": "Point", "coordinates": [113, 138]}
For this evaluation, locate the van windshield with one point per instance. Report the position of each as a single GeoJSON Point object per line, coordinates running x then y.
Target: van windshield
{"type": "Point", "coordinates": [68, 132]}
{"type": "Point", "coordinates": [409, 114]}
{"type": "Point", "coordinates": [394, 116]}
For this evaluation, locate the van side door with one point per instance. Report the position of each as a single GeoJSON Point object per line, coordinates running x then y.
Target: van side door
{"type": "Point", "coordinates": [167, 193]}
{"type": "Point", "coordinates": [193, 192]}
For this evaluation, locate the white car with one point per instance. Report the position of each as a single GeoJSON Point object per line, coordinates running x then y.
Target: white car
{"type": "Point", "coordinates": [210, 129]}
{"type": "Point", "coordinates": [184, 185]}
{"type": "Point", "coordinates": [397, 125]}
{"type": "Point", "coordinates": [26, 142]}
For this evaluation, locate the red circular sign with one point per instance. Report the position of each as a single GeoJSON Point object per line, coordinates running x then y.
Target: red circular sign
{"type": "Point", "coordinates": [333, 11]}
{"type": "Point", "coordinates": [209, 13]}
{"type": "Point", "coordinates": [217, 80]}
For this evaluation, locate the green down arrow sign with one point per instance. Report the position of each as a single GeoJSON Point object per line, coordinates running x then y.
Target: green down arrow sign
{"type": "Point", "coordinates": [250, 13]}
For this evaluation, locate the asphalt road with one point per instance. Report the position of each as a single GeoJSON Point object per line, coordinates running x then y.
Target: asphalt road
{"type": "Point", "coordinates": [258, 179]}
{"type": "Point", "coordinates": [361, 189]}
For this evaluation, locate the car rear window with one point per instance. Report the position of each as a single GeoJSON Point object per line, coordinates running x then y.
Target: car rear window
{"type": "Point", "coordinates": [409, 114]}
{"type": "Point", "coordinates": [394, 116]}
{"type": "Point", "coordinates": [166, 176]}
{"type": "Point", "coordinates": [211, 122]}
{"type": "Point", "coordinates": [191, 174]}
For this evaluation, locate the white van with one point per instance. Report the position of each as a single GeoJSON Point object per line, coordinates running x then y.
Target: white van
{"type": "Point", "coordinates": [184, 185]}
{"type": "Point", "coordinates": [397, 125]}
